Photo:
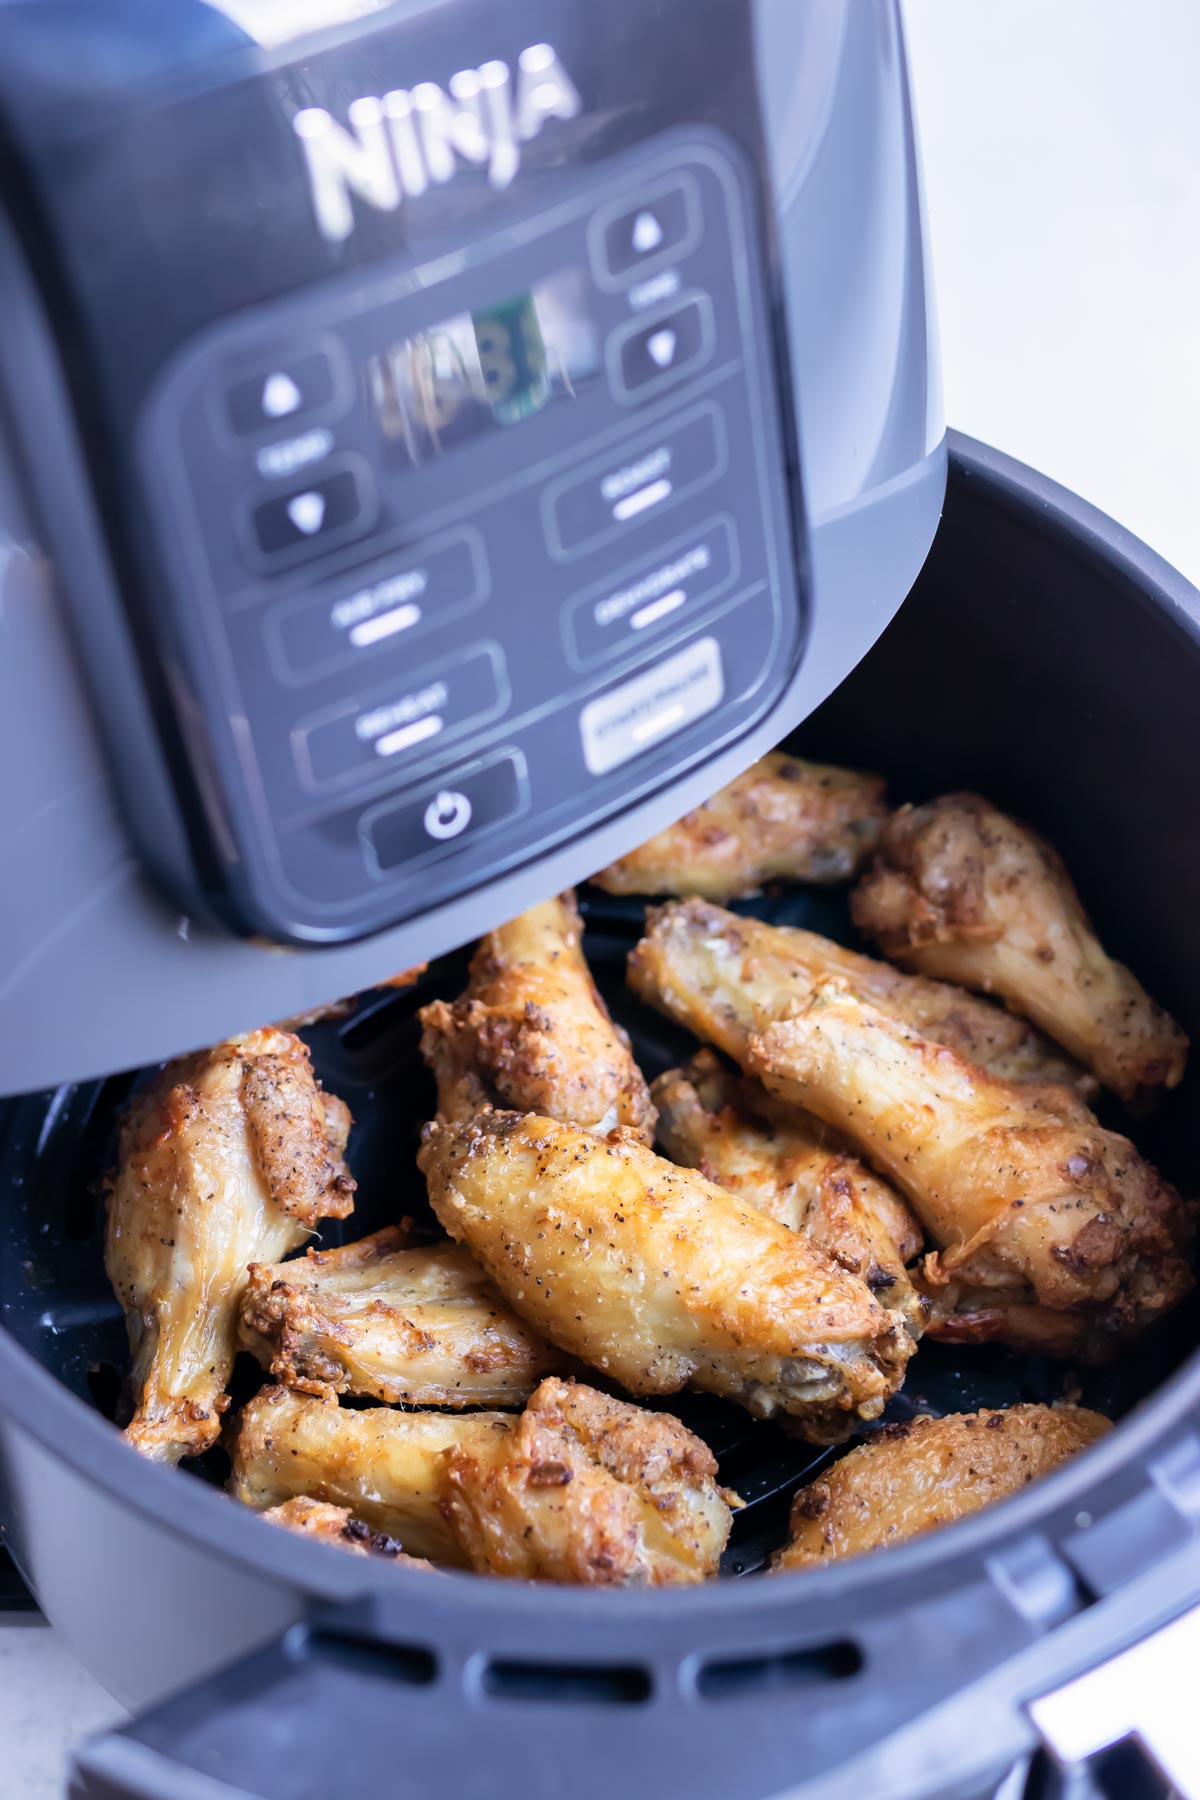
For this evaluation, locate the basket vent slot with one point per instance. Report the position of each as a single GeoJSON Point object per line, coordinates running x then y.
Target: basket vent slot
{"type": "Point", "coordinates": [578, 1684]}
{"type": "Point", "coordinates": [409, 1664]}
{"type": "Point", "coordinates": [781, 1673]}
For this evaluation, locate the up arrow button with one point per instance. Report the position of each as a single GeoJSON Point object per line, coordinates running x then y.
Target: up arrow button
{"type": "Point", "coordinates": [280, 395]}
{"type": "Point", "coordinates": [647, 233]}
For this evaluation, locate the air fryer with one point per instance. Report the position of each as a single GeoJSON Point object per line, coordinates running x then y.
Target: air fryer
{"type": "Point", "coordinates": [278, 232]}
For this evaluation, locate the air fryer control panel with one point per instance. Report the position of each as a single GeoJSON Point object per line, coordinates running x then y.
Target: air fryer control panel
{"type": "Point", "coordinates": [469, 553]}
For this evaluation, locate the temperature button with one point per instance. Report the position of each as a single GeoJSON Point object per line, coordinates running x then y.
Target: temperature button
{"type": "Point", "coordinates": [282, 393]}
{"type": "Point", "coordinates": [307, 518]}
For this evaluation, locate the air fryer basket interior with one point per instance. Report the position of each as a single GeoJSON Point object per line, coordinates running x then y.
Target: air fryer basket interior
{"type": "Point", "coordinates": [1015, 668]}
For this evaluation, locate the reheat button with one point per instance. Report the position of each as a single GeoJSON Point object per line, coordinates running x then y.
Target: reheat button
{"type": "Point", "coordinates": [393, 724]}
{"type": "Point", "coordinates": [614, 495]}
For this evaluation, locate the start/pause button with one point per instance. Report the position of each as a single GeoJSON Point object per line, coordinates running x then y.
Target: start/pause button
{"type": "Point", "coordinates": [653, 706]}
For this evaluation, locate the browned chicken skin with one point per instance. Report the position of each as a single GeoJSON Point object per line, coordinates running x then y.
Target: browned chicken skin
{"type": "Point", "coordinates": [532, 1032]}
{"type": "Point", "coordinates": [656, 1277]}
{"type": "Point", "coordinates": [420, 1326]}
{"type": "Point", "coordinates": [336, 1525]}
{"type": "Point", "coordinates": [231, 1154]}
{"type": "Point", "coordinates": [1054, 1234]}
{"type": "Point", "coordinates": [783, 818]}
{"type": "Point", "coordinates": [911, 1478]}
{"type": "Point", "coordinates": [579, 1487]}
{"type": "Point", "coordinates": [723, 976]}
{"type": "Point", "coordinates": [960, 891]}
{"type": "Point", "coordinates": [794, 1169]}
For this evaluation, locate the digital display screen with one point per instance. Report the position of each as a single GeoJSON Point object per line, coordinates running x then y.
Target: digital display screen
{"type": "Point", "coordinates": [486, 370]}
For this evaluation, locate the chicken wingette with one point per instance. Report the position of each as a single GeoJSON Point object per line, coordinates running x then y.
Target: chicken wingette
{"type": "Point", "coordinates": [658, 1278]}
{"type": "Point", "coordinates": [912, 1477]}
{"type": "Point", "coordinates": [723, 976]}
{"type": "Point", "coordinates": [782, 819]}
{"type": "Point", "coordinates": [231, 1154]}
{"type": "Point", "coordinates": [531, 1032]}
{"type": "Point", "coordinates": [960, 891]}
{"type": "Point", "coordinates": [794, 1169]}
{"type": "Point", "coordinates": [337, 1525]}
{"type": "Point", "coordinates": [579, 1487]}
{"type": "Point", "coordinates": [1053, 1234]}
{"type": "Point", "coordinates": [420, 1326]}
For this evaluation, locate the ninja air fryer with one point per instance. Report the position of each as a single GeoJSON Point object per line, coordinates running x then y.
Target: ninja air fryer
{"type": "Point", "coordinates": [442, 442]}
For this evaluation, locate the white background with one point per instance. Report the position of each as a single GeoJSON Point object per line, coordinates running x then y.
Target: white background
{"type": "Point", "coordinates": [1061, 143]}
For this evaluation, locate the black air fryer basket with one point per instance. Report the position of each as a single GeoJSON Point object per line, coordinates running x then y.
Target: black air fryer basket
{"type": "Point", "coordinates": [1042, 659]}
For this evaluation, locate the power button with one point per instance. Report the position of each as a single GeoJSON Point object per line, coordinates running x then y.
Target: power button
{"type": "Point", "coordinates": [436, 820]}
{"type": "Point", "coordinates": [448, 813]}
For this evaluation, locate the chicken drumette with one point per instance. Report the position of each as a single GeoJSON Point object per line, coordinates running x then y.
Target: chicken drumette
{"type": "Point", "coordinates": [783, 818]}
{"type": "Point", "coordinates": [959, 890]}
{"type": "Point", "coordinates": [337, 1525]}
{"type": "Point", "coordinates": [579, 1487]}
{"type": "Point", "coordinates": [913, 1477]}
{"type": "Point", "coordinates": [658, 1278]}
{"type": "Point", "coordinates": [420, 1326]}
{"type": "Point", "coordinates": [231, 1154]}
{"type": "Point", "coordinates": [532, 1032]}
{"type": "Point", "coordinates": [794, 1169]}
{"type": "Point", "coordinates": [1054, 1235]}
{"type": "Point", "coordinates": [723, 976]}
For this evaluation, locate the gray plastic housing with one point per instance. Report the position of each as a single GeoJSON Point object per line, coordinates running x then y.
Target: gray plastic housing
{"type": "Point", "coordinates": [101, 971]}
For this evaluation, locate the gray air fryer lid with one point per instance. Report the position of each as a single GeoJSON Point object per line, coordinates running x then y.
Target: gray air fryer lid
{"type": "Point", "coordinates": [365, 401]}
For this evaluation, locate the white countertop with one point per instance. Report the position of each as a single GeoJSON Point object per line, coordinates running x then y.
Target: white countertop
{"type": "Point", "coordinates": [1062, 159]}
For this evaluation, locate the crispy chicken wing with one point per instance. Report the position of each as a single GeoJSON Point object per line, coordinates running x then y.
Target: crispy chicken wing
{"type": "Point", "coordinates": [419, 1326]}
{"type": "Point", "coordinates": [531, 1032]}
{"type": "Point", "coordinates": [794, 1169]}
{"type": "Point", "coordinates": [911, 1478]}
{"type": "Point", "coordinates": [231, 1154]}
{"type": "Point", "coordinates": [589, 1489]}
{"type": "Point", "coordinates": [961, 891]}
{"type": "Point", "coordinates": [1054, 1233]}
{"type": "Point", "coordinates": [783, 818]}
{"type": "Point", "coordinates": [578, 1487]}
{"type": "Point", "coordinates": [722, 976]}
{"type": "Point", "coordinates": [337, 1525]}
{"type": "Point", "coordinates": [658, 1278]}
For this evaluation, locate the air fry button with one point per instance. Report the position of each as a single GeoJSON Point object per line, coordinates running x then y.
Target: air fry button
{"type": "Point", "coordinates": [613, 495]}
{"type": "Point", "coordinates": [379, 608]}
